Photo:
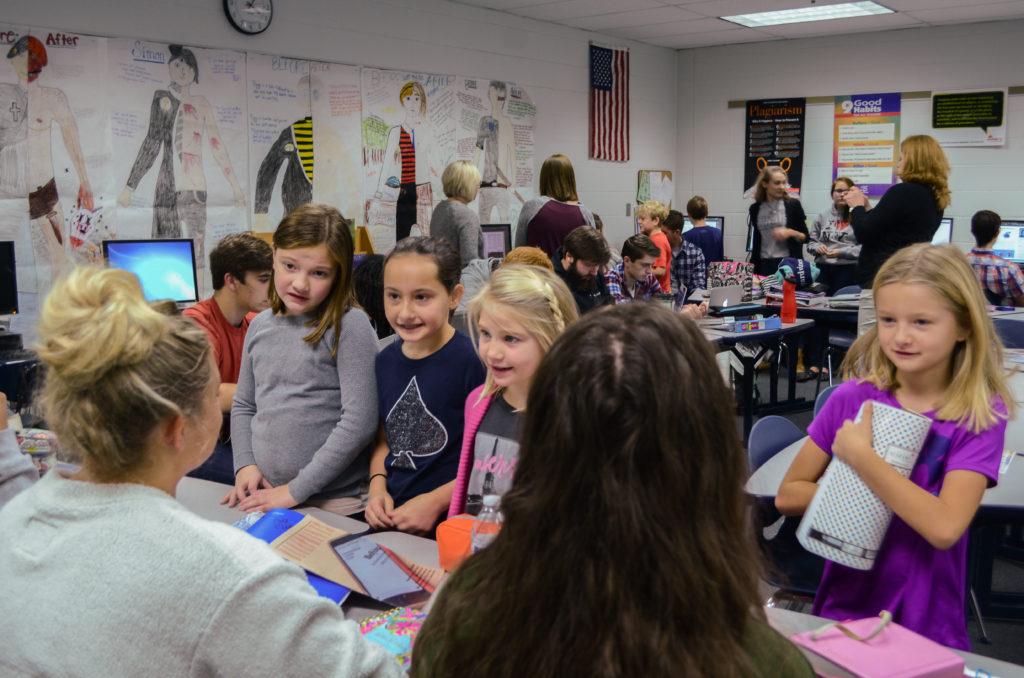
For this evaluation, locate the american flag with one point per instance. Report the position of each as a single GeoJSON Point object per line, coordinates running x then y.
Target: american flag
{"type": "Point", "coordinates": [609, 104]}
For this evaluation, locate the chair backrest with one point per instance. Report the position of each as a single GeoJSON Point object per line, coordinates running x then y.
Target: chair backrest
{"type": "Point", "coordinates": [769, 436]}
{"type": "Point", "coordinates": [1010, 331]}
{"type": "Point", "coordinates": [819, 402]}
{"type": "Point", "coordinates": [992, 297]}
{"type": "Point", "coordinates": [849, 289]}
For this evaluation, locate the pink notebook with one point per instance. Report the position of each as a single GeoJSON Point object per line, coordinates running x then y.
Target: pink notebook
{"type": "Point", "coordinates": [896, 652]}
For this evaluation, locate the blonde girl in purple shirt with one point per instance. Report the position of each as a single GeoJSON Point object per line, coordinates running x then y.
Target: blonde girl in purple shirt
{"type": "Point", "coordinates": [934, 352]}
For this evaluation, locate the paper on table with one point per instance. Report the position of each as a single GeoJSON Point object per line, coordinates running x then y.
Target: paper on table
{"type": "Point", "coordinates": [1004, 463]}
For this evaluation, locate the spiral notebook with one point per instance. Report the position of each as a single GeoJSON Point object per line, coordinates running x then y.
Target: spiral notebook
{"type": "Point", "coordinates": [846, 520]}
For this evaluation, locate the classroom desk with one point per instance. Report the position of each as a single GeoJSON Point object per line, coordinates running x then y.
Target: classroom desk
{"type": "Point", "coordinates": [789, 623]}
{"type": "Point", "coordinates": [765, 341]}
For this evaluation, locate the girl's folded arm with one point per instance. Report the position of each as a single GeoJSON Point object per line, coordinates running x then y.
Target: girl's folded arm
{"type": "Point", "coordinates": [801, 480]}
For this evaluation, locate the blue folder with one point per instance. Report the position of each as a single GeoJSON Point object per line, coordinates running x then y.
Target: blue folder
{"type": "Point", "coordinates": [278, 521]}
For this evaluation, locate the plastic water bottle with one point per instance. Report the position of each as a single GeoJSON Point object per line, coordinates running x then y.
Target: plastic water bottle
{"type": "Point", "coordinates": [788, 314]}
{"type": "Point", "coordinates": [487, 523]}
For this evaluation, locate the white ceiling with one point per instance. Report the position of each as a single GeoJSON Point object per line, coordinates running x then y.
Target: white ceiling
{"type": "Point", "coordinates": [682, 24]}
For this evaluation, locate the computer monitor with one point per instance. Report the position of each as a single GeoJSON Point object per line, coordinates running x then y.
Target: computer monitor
{"type": "Point", "coordinates": [497, 240]}
{"type": "Point", "coordinates": [1010, 243]}
{"type": "Point", "coordinates": [713, 222]}
{"type": "Point", "coordinates": [8, 279]}
{"type": "Point", "coordinates": [944, 235]}
{"type": "Point", "coordinates": [166, 269]}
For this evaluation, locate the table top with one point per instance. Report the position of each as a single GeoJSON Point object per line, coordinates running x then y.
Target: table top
{"type": "Point", "coordinates": [719, 336]}
{"type": "Point", "coordinates": [790, 623]}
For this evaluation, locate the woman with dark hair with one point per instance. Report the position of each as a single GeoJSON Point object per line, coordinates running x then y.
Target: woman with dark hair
{"type": "Point", "coordinates": [547, 219]}
{"type": "Point", "coordinates": [908, 213]}
{"type": "Point", "coordinates": [626, 548]}
{"type": "Point", "coordinates": [779, 222]}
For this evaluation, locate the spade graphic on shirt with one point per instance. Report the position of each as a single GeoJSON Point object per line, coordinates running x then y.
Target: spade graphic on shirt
{"type": "Point", "coordinates": [413, 432]}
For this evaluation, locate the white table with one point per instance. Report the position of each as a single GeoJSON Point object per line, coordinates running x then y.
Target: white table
{"type": "Point", "coordinates": [789, 623]}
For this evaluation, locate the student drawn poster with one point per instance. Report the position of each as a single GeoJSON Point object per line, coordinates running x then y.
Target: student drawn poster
{"type": "Point", "coordinates": [281, 146]}
{"type": "Point", "coordinates": [54, 150]}
{"type": "Point", "coordinates": [337, 106]}
{"type": "Point", "coordinates": [865, 144]}
{"type": "Point", "coordinates": [495, 131]}
{"type": "Point", "coordinates": [408, 139]}
{"type": "Point", "coordinates": [655, 185]}
{"type": "Point", "coordinates": [179, 135]}
{"type": "Point", "coordinates": [775, 136]}
{"type": "Point", "coordinates": [970, 117]}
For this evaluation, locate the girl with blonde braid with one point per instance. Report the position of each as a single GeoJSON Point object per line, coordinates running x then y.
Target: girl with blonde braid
{"type": "Point", "coordinates": [514, 321]}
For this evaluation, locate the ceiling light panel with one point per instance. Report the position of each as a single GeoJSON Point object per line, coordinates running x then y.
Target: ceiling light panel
{"type": "Point", "coordinates": [844, 10]}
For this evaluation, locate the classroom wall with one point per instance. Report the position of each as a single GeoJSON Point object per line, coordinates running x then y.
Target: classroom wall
{"type": "Point", "coordinates": [551, 61]}
{"type": "Point", "coordinates": [710, 153]}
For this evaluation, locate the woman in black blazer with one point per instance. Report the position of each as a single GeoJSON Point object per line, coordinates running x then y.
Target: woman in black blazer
{"type": "Point", "coordinates": [779, 222]}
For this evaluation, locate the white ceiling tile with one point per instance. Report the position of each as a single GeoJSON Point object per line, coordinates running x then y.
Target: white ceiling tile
{"type": "Point", "coordinates": [572, 9]}
{"type": "Point", "coordinates": [674, 28]}
{"type": "Point", "coordinates": [861, 24]}
{"type": "Point", "coordinates": [643, 17]}
{"type": "Point", "coordinates": [730, 37]}
{"type": "Point", "coordinates": [499, 4]}
{"type": "Point", "coordinates": [913, 5]}
{"type": "Point", "coordinates": [957, 15]}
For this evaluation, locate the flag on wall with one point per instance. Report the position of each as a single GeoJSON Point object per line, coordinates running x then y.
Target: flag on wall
{"type": "Point", "coordinates": [609, 104]}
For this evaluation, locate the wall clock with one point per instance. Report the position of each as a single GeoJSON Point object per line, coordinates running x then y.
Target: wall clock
{"type": "Point", "coordinates": [249, 16]}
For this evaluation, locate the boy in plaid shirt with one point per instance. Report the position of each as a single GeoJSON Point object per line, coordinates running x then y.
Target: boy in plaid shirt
{"type": "Point", "coordinates": [632, 279]}
{"type": "Point", "coordinates": [1001, 280]}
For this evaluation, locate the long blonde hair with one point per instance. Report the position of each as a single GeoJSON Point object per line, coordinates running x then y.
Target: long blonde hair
{"type": "Point", "coordinates": [976, 364]}
{"type": "Point", "coordinates": [534, 297]}
{"type": "Point", "coordinates": [310, 225]}
{"type": "Point", "coordinates": [761, 187]}
{"type": "Point", "coordinates": [116, 368]}
{"type": "Point", "coordinates": [925, 163]}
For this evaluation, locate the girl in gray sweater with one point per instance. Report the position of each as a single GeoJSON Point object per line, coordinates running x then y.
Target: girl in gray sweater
{"type": "Point", "coordinates": [305, 409]}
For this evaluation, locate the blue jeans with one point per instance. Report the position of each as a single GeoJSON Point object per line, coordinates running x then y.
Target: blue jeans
{"type": "Point", "coordinates": [219, 467]}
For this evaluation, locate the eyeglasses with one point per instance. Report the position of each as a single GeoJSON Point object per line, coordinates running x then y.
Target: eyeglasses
{"type": "Point", "coordinates": [840, 191]}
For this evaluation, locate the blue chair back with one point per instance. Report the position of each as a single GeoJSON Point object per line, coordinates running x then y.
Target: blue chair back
{"type": "Point", "coordinates": [819, 402]}
{"type": "Point", "coordinates": [1010, 331]}
{"type": "Point", "coordinates": [849, 289]}
{"type": "Point", "coordinates": [769, 436]}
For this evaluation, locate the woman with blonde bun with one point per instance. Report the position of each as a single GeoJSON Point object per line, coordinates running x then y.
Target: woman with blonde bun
{"type": "Point", "coordinates": [132, 394]}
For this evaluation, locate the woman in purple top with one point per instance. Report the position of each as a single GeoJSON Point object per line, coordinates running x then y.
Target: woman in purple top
{"type": "Point", "coordinates": [545, 221]}
{"type": "Point", "coordinates": [934, 351]}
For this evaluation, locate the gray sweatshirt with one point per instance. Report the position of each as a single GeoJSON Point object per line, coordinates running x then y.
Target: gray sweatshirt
{"type": "Point", "coordinates": [304, 418]}
{"type": "Point", "coordinates": [460, 226]}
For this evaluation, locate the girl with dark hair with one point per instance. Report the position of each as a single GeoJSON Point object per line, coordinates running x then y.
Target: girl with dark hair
{"type": "Point", "coordinates": [423, 380]}
{"type": "Point", "coordinates": [626, 548]}
{"type": "Point", "coordinates": [301, 422]}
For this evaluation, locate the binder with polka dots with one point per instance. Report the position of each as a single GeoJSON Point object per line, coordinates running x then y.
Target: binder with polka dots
{"type": "Point", "coordinates": [846, 520]}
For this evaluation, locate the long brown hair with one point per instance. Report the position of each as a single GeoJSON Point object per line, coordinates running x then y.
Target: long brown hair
{"type": "Point", "coordinates": [761, 190]}
{"type": "Point", "coordinates": [308, 226]}
{"type": "Point", "coordinates": [626, 548]}
{"type": "Point", "coordinates": [926, 163]}
{"type": "Point", "coordinates": [558, 179]}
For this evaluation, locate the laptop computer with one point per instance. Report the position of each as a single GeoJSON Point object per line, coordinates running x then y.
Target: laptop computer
{"type": "Point", "coordinates": [724, 297]}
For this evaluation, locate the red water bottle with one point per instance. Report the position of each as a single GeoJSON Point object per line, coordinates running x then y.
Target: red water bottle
{"type": "Point", "coordinates": [788, 314]}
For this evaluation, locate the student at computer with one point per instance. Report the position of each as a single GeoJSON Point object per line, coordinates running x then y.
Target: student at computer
{"type": "Point", "coordinates": [627, 518]}
{"type": "Point", "coordinates": [1001, 280]}
{"type": "Point", "coordinates": [933, 351]}
{"type": "Point", "coordinates": [633, 279]}
{"type": "Point", "coordinates": [688, 268]}
{"type": "Point", "coordinates": [423, 380]}
{"type": "Point", "coordinates": [706, 238]}
{"type": "Point", "coordinates": [651, 216]}
{"type": "Point", "coordinates": [579, 262]}
{"type": "Point", "coordinates": [778, 222]}
{"type": "Point", "coordinates": [832, 242]}
{"type": "Point", "coordinates": [240, 268]}
{"type": "Point", "coordinates": [132, 394]}
{"type": "Point", "coordinates": [304, 414]}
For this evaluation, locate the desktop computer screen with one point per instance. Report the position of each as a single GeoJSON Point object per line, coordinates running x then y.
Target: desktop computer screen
{"type": "Point", "coordinates": [8, 279]}
{"type": "Point", "coordinates": [1010, 243]}
{"type": "Point", "coordinates": [497, 240]}
{"type": "Point", "coordinates": [166, 269]}
{"type": "Point", "coordinates": [713, 222]}
{"type": "Point", "coordinates": [944, 234]}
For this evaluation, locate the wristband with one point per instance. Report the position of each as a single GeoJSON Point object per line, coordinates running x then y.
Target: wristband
{"type": "Point", "coordinates": [382, 475]}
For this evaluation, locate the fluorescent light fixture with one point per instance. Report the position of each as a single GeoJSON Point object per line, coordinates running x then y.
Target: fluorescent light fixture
{"type": "Point", "coordinates": [811, 13]}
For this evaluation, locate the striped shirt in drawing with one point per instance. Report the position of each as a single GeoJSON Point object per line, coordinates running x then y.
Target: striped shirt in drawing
{"type": "Point", "coordinates": [302, 133]}
{"type": "Point", "coordinates": [407, 149]}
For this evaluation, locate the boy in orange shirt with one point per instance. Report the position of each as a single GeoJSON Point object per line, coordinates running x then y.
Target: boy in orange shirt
{"type": "Point", "coordinates": [650, 215]}
{"type": "Point", "coordinates": [240, 267]}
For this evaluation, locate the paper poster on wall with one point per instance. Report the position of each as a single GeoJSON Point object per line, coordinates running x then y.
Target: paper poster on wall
{"type": "Point", "coordinates": [774, 136]}
{"type": "Point", "coordinates": [970, 117]}
{"type": "Point", "coordinates": [53, 150]}
{"type": "Point", "coordinates": [495, 132]}
{"type": "Point", "coordinates": [180, 143]}
{"type": "Point", "coordinates": [408, 139]}
{"type": "Point", "coordinates": [866, 140]}
{"type": "Point", "coordinates": [280, 136]}
{"type": "Point", "coordinates": [337, 105]}
{"type": "Point", "coordinates": [655, 185]}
